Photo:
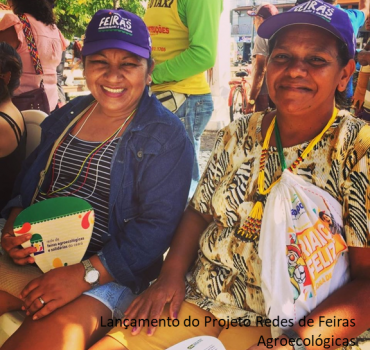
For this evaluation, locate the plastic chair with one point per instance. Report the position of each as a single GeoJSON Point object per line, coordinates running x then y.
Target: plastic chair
{"type": "Point", "coordinates": [33, 119]}
{"type": "Point", "coordinates": [9, 323]}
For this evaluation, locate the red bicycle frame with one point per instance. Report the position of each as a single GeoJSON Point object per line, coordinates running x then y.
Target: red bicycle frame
{"type": "Point", "coordinates": [242, 85]}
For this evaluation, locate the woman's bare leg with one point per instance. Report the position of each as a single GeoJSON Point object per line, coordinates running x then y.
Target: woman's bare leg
{"type": "Point", "coordinates": [76, 326]}
{"type": "Point", "coordinates": [9, 302]}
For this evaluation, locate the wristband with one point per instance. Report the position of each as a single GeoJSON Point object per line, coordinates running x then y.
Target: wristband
{"type": "Point", "coordinates": [292, 334]}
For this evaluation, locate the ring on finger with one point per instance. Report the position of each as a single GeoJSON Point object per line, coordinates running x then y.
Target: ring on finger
{"type": "Point", "coordinates": [42, 301]}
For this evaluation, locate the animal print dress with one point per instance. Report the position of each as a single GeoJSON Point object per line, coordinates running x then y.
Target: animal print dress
{"type": "Point", "coordinates": [225, 279]}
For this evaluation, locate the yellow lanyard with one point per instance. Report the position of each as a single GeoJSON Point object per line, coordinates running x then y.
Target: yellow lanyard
{"type": "Point", "coordinates": [250, 230]}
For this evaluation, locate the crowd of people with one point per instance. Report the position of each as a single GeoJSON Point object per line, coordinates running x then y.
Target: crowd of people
{"type": "Point", "coordinates": [276, 231]}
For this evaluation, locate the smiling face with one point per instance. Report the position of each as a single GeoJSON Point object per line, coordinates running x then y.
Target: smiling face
{"type": "Point", "coordinates": [327, 218]}
{"type": "Point", "coordinates": [117, 79]}
{"type": "Point", "coordinates": [304, 70]}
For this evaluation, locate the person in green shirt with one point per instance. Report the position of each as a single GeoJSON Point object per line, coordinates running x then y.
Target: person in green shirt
{"type": "Point", "coordinates": [184, 35]}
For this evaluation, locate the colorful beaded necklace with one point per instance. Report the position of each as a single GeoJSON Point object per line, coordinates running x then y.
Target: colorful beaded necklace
{"type": "Point", "coordinates": [250, 230]}
{"type": "Point", "coordinates": [50, 192]}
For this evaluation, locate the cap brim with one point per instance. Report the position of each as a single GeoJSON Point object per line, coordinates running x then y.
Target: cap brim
{"type": "Point", "coordinates": [275, 23]}
{"type": "Point", "coordinates": [252, 13]}
{"type": "Point", "coordinates": [90, 48]}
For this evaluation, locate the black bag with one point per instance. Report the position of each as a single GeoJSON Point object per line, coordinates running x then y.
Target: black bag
{"type": "Point", "coordinates": [34, 99]}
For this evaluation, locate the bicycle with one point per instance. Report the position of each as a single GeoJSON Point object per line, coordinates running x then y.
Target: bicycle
{"type": "Point", "coordinates": [238, 96]}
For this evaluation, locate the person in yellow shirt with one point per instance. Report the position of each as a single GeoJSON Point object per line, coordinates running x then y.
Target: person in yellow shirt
{"type": "Point", "coordinates": [184, 35]}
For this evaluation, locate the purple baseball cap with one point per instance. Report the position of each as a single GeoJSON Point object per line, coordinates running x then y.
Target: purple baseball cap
{"type": "Point", "coordinates": [316, 13]}
{"type": "Point", "coordinates": [117, 29]}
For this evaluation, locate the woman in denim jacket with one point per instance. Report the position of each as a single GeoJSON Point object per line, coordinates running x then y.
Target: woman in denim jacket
{"type": "Point", "coordinates": [145, 162]}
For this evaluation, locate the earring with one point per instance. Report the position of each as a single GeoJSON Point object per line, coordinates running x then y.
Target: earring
{"type": "Point", "coordinates": [341, 87]}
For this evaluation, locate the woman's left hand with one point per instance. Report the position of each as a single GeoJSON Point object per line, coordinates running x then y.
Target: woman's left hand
{"type": "Point", "coordinates": [56, 288]}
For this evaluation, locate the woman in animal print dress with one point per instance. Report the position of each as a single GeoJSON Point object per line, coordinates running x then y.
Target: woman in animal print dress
{"type": "Point", "coordinates": [213, 262]}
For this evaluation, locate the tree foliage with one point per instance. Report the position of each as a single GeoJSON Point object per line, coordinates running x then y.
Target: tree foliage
{"type": "Point", "coordinates": [74, 15]}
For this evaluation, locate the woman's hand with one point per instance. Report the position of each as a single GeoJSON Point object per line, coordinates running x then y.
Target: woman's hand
{"type": "Point", "coordinates": [150, 304]}
{"type": "Point", "coordinates": [250, 108]}
{"type": "Point", "coordinates": [12, 245]}
{"type": "Point", "coordinates": [170, 285]}
{"type": "Point", "coordinates": [56, 288]}
{"type": "Point", "coordinates": [363, 57]}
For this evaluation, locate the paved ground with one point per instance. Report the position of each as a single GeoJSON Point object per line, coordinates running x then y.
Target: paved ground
{"type": "Point", "coordinates": [208, 137]}
{"type": "Point", "coordinates": [206, 146]}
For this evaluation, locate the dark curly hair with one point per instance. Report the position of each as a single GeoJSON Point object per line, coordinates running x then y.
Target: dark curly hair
{"type": "Point", "coordinates": [42, 10]}
{"type": "Point", "coordinates": [9, 61]}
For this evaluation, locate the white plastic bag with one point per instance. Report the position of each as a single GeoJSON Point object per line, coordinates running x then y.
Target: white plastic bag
{"type": "Point", "coordinates": [302, 248]}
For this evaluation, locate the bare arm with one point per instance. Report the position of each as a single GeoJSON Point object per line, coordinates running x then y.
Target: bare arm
{"type": "Point", "coordinates": [185, 244]}
{"type": "Point", "coordinates": [56, 294]}
{"type": "Point", "coordinates": [258, 76]}
{"type": "Point", "coordinates": [363, 58]}
{"type": "Point", "coordinates": [9, 36]}
{"type": "Point", "coordinates": [202, 16]}
{"type": "Point", "coordinates": [349, 302]}
{"type": "Point", "coordinates": [170, 286]}
{"type": "Point", "coordinates": [364, 6]}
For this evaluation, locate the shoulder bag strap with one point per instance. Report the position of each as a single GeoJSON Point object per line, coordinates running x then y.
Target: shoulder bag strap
{"type": "Point", "coordinates": [32, 48]}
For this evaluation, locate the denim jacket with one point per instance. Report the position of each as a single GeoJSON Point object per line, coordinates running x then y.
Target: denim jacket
{"type": "Point", "coordinates": [150, 177]}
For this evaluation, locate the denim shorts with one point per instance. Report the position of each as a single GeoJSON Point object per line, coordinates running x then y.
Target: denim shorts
{"type": "Point", "coordinates": [114, 296]}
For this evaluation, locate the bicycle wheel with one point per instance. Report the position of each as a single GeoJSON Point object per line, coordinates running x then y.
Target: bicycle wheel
{"type": "Point", "coordinates": [236, 104]}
